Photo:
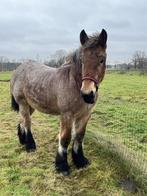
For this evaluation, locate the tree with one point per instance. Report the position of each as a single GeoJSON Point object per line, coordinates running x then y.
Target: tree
{"type": "Point", "coordinates": [59, 54]}
{"type": "Point", "coordinates": [140, 60]}
{"type": "Point", "coordinates": [57, 59]}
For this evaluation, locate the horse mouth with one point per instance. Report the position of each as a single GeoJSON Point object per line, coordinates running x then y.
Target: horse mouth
{"type": "Point", "coordinates": [89, 101]}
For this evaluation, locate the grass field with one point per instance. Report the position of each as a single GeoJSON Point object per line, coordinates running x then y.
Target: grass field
{"type": "Point", "coordinates": [122, 109]}
{"type": "Point", "coordinates": [4, 76]}
{"type": "Point", "coordinates": [121, 112]}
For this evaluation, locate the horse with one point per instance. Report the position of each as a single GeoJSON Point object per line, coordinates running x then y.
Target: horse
{"type": "Point", "coordinates": [70, 91]}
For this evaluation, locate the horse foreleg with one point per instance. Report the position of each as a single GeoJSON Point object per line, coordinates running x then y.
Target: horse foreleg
{"type": "Point", "coordinates": [79, 128]}
{"type": "Point", "coordinates": [61, 162]}
{"type": "Point", "coordinates": [24, 129]}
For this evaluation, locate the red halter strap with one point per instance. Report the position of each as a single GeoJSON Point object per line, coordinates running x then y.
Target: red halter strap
{"type": "Point", "coordinates": [90, 78]}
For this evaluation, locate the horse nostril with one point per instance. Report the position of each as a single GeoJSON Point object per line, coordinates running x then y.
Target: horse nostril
{"type": "Point", "coordinates": [91, 93]}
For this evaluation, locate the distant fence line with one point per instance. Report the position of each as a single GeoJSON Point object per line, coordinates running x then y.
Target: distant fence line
{"type": "Point", "coordinates": [10, 66]}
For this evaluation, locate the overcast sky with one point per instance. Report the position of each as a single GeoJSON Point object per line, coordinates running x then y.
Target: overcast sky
{"type": "Point", "coordinates": [31, 27]}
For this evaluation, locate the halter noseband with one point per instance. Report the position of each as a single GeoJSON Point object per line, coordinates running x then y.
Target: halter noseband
{"type": "Point", "coordinates": [90, 78]}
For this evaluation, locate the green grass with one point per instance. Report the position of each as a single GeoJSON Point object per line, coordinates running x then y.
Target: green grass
{"type": "Point", "coordinates": [6, 75]}
{"type": "Point", "coordinates": [122, 109]}
{"type": "Point", "coordinates": [34, 174]}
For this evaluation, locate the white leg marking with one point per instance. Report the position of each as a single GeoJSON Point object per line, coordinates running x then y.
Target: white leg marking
{"type": "Point", "coordinates": [76, 146]}
{"type": "Point", "coordinates": [23, 129]}
{"type": "Point", "coordinates": [61, 149]}
{"type": "Point", "coordinates": [73, 130]}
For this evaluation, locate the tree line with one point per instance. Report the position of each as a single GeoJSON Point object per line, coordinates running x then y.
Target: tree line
{"type": "Point", "coordinates": [137, 62]}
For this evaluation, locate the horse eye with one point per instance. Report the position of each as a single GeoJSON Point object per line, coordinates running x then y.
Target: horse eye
{"type": "Point", "coordinates": [101, 61]}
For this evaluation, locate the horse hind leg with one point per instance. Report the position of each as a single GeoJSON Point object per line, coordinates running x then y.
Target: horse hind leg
{"type": "Point", "coordinates": [24, 129]}
{"type": "Point", "coordinates": [21, 134]}
{"type": "Point", "coordinates": [21, 130]}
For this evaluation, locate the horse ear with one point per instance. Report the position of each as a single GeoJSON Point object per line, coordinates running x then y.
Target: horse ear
{"type": "Point", "coordinates": [83, 37]}
{"type": "Point", "coordinates": [103, 38]}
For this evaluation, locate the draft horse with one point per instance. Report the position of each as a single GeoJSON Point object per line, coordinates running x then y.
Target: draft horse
{"type": "Point", "coordinates": [70, 91]}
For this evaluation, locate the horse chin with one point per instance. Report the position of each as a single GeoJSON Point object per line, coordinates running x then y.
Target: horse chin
{"type": "Point", "coordinates": [90, 102]}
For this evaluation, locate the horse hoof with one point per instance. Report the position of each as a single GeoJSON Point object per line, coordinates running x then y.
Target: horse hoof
{"type": "Point", "coordinates": [61, 164]}
{"type": "Point", "coordinates": [30, 147]}
{"type": "Point", "coordinates": [81, 163]}
{"type": "Point", "coordinates": [65, 173]}
{"type": "Point", "coordinates": [63, 168]}
{"type": "Point", "coordinates": [79, 160]}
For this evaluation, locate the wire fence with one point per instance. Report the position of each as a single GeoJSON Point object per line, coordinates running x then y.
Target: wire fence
{"type": "Point", "coordinates": [124, 133]}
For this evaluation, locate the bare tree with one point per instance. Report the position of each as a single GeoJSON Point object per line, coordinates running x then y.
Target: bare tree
{"type": "Point", "coordinates": [59, 54]}
{"type": "Point", "coordinates": [140, 60]}
{"type": "Point", "coordinates": [1, 63]}
{"type": "Point", "coordinates": [57, 59]}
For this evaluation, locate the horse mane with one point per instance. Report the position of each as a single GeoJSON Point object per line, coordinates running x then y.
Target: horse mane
{"type": "Point", "coordinates": [92, 42]}
{"type": "Point", "coordinates": [73, 57]}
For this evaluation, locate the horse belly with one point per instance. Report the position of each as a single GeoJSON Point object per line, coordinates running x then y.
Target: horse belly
{"type": "Point", "coordinates": [43, 107]}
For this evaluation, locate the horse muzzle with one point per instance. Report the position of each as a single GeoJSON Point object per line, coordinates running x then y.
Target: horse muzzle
{"type": "Point", "coordinates": [88, 98]}
{"type": "Point", "coordinates": [89, 89]}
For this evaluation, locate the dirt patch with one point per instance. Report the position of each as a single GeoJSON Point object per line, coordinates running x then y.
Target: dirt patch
{"type": "Point", "coordinates": [129, 185]}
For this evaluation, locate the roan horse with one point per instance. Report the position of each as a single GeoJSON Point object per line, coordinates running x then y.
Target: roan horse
{"type": "Point", "coordinates": [70, 91]}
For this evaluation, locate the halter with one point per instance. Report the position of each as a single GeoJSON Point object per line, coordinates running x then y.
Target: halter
{"type": "Point", "coordinates": [90, 78]}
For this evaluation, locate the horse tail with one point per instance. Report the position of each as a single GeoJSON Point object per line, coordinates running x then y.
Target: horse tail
{"type": "Point", "coordinates": [14, 104]}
